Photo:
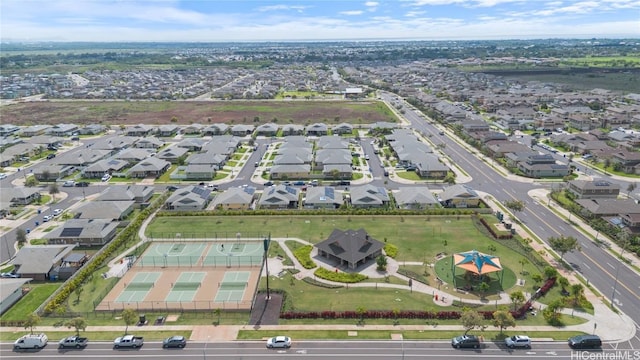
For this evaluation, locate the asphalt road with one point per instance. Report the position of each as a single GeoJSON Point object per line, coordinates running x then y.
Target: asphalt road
{"type": "Point", "coordinates": [332, 350]}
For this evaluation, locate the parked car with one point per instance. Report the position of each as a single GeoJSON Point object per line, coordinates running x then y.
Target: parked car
{"type": "Point", "coordinates": [51, 156]}
{"type": "Point", "coordinates": [129, 341]}
{"type": "Point", "coordinates": [31, 341]}
{"type": "Point", "coordinates": [585, 342]}
{"type": "Point", "coordinates": [3, 176]}
{"type": "Point", "coordinates": [279, 342]}
{"type": "Point", "coordinates": [268, 183]}
{"type": "Point", "coordinates": [73, 342]}
{"type": "Point", "coordinates": [515, 341]}
{"type": "Point", "coordinates": [465, 341]}
{"type": "Point", "coordinates": [47, 218]}
{"type": "Point", "coordinates": [105, 177]}
{"type": "Point", "coordinates": [57, 212]}
{"type": "Point", "coordinates": [176, 341]}
{"type": "Point", "coordinates": [69, 183]}
{"type": "Point", "coordinates": [9, 275]}
{"type": "Point", "coordinates": [82, 184]}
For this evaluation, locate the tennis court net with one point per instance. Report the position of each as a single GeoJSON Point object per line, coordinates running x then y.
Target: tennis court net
{"type": "Point", "coordinates": [186, 286]}
{"type": "Point", "coordinates": [233, 285]}
{"type": "Point", "coordinates": [137, 286]}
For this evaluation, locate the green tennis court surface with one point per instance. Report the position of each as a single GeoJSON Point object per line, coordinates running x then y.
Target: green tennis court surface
{"type": "Point", "coordinates": [233, 286]}
{"type": "Point", "coordinates": [186, 287]}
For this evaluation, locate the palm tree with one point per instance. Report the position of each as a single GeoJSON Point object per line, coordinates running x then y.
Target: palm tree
{"type": "Point", "coordinates": [577, 290]}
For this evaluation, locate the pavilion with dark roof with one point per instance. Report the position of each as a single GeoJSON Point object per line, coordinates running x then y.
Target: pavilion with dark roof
{"type": "Point", "coordinates": [350, 247]}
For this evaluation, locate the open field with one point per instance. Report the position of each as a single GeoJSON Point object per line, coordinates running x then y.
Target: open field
{"type": "Point", "coordinates": [203, 112]}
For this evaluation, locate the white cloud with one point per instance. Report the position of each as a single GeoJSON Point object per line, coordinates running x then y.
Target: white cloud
{"type": "Point", "coordinates": [298, 8]}
{"type": "Point", "coordinates": [371, 3]}
{"type": "Point", "coordinates": [351, 12]}
{"type": "Point", "coordinates": [414, 13]}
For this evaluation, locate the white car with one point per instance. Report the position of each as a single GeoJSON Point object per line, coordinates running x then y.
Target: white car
{"type": "Point", "coordinates": [57, 212]}
{"type": "Point", "coordinates": [69, 183]}
{"type": "Point", "coordinates": [515, 341]}
{"type": "Point", "coordinates": [47, 218]}
{"type": "Point", "coordinates": [279, 342]}
{"type": "Point", "coordinates": [3, 176]}
{"type": "Point", "coordinates": [106, 177]}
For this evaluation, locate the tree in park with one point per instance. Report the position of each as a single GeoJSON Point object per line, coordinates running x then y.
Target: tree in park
{"type": "Point", "coordinates": [381, 261]}
{"type": "Point", "coordinates": [564, 282]}
{"type": "Point", "coordinates": [78, 323]}
{"type": "Point", "coordinates": [564, 244]}
{"type": "Point", "coordinates": [130, 317]}
{"type": "Point", "coordinates": [483, 288]}
{"type": "Point", "coordinates": [517, 298]}
{"type": "Point", "coordinates": [537, 278]}
{"type": "Point", "coordinates": [31, 181]}
{"type": "Point", "coordinates": [31, 322]}
{"type": "Point", "coordinates": [503, 319]}
{"type": "Point", "coordinates": [361, 311]}
{"type": "Point", "coordinates": [550, 272]}
{"type": "Point", "coordinates": [577, 290]}
{"type": "Point", "coordinates": [552, 313]}
{"type": "Point", "coordinates": [471, 319]}
{"type": "Point", "coordinates": [523, 262]}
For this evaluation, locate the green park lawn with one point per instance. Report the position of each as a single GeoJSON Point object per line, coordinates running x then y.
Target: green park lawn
{"type": "Point", "coordinates": [30, 302]}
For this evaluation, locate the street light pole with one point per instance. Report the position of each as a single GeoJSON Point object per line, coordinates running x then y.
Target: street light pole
{"type": "Point", "coordinates": [615, 284]}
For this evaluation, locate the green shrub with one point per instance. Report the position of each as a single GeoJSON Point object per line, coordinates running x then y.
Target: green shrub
{"type": "Point", "coordinates": [339, 276]}
{"type": "Point", "coordinates": [391, 250]}
{"type": "Point", "coordinates": [303, 254]}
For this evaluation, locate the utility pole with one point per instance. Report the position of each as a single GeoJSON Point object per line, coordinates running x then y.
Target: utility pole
{"type": "Point", "coordinates": [266, 242]}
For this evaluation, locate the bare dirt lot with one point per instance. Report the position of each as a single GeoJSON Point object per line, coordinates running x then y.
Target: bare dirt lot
{"type": "Point", "coordinates": [189, 112]}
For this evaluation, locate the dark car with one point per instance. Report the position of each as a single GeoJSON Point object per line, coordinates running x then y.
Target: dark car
{"type": "Point", "coordinates": [268, 183]}
{"type": "Point", "coordinates": [585, 342]}
{"type": "Point", "coordinates": [82, 184]}
{"type": "Point", "coordinates": [176, 341]}
{"type": "Point", "coordinates": [51, 156]}
{"type": "Point", "coordinates": [465, 341]}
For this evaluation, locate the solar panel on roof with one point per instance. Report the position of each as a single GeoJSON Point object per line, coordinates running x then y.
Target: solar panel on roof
{"type": "Point", "coordinates": [290, 190]}
{"type": "Point", "coordinates": [329, 192]}
{"type": "Point", "coordinates": [602, 183]}
{"type": "Point", "coordinates": [71, 232]}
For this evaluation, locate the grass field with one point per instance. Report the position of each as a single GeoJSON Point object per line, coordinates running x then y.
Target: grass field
{"type": "Point", "coordinates": [204, 112]}
{"type": "Point", "coordinates": [30, 302]}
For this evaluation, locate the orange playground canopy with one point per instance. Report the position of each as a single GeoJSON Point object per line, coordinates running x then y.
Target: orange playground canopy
{"type": "Point", "coordinates": [477, 262]}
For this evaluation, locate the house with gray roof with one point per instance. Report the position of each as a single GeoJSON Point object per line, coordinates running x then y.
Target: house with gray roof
{"type": "Point", "coordinates": [459, 196]}
{"type": "Point", "coordinates": [415, 198]}
{"type": "Point", "coordinates": [332, 157]}
{"type": "Point", "coordinates": [215, 129]}
{"type": "Point", "coordinates": [200, 171]}
{"type": "Point", "coordinates": [342, 128]}
{"type": "Point", "coordinates": [114, 143]}
{"type": "Point", "coordinates": [89, 232]}
{"type": "Point", "coordinates": [139, 130]}
{"type": "Point", "coordinates": [52, 172]}
{"type": "Point", "coordinates": [292, 129]}
{"type": "Point", "coordinates": [293, 157]}
{"type": "Point", "coordinates": [149, 167]}
{"type": "Point", "coordinates": [268, 129]}
{"type": "Point", "coordinates": [34, 130]}
{"type": "Point", "coordinates": [107, 166]}
{"type": "Point", "coordinates": [322, 197]}
{"type": "Point", "coordinates": [150, 142]}
{"type": "Point", "coordinates": [189, 198]}
{"type": "Point", "coordinates": [332, 142]}
{"type": "Point", "coordinates": [172, 154]}
{"type": "Point", "coordinates": [37, 262]}
{"type": "Point", "coordinates": [85, 158]}
{"type": "Point", "coordinates": [242, 130]}
{"type": "Point", "coordinates": [11, 291]}
{"type": "Point", "coordinates": [369, 196]}
{"type": "Point", "coordinates": [134, 155]}
{"type": "Point", "coordinates": [62, 130]}
{"type": "Point", "coordinates": [113, 210]}
{"type": "Point", "coordinates": [92, 129]}
{"type": "Point", "coordinates": [168, 130]}
{"type": "Point", "coordinates": [594, 189]}
{"type": "Point", "coordinates": [137, 193]}
{"type": "Point", "coordinates": [296, 171]}
{"type": "Point", "coordinates": [279, 197]}
{"type": "Point", "coordinates": [429, 166]}
{"type": "Point", "coordinates": [538, 166]}
{"type": "Point", "coordinates": [19, 195]}
{"type": "Point", "coordinates": [8, 129]}
{"type": "Point", "coordinates": [192, 144]}
{"type": "Point", "coordinates": [337, 171]}
{"type": "Point", "coordinates": [350, 248]}
{"type": "Point", "coordinates": [235, 198]}
{"type": "Point", "coordinates": [214, 160]}
{"type": "Point", "coordinates": [608, 207]}
{"type": "Point", "coordinates": [193, 129]}
{"type": "Point", "coordinates": [317, 129]}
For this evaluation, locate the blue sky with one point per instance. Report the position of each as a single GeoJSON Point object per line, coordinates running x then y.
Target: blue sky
{"type": "Point", "coordinates": [263, 20]}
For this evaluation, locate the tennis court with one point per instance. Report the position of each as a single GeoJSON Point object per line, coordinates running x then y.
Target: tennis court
{"type": "Point", "coordinates": [172, 254]}
{"type": "Point", "coordinates": [234, 254]}
{"type": "Point", "coordinates": [186, 286]}
{"type": "Point", "coordinates": [233, 286]}
{"type": "Point", "coordinates": [139, 287]}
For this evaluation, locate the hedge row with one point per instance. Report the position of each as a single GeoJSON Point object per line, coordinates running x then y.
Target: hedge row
{"type": "Point", "coordinates": [496, 235]}
{"type": "Point", "coordinates": [303, 254]}
{"type": "Point", "coordinates": [339, 276]}
{"type": "Point", "coordinates": [380, 314]}
{"type": "Point", "coordinates": [341, 211]}
{"type": "Point", "coordinates": [98, 260]}
{"type": "Point", "coordinates": [315, 282]}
